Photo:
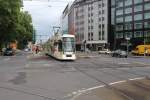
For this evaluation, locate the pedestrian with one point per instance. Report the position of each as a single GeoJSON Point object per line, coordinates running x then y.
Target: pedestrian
{"type": "Point", "coordinates": [37, 50]}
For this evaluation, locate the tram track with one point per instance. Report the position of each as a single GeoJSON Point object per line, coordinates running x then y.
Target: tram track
{"type": "Point", "coordinates": [124, 93]}
{"type": "Point", "coordinates": [27, 93]}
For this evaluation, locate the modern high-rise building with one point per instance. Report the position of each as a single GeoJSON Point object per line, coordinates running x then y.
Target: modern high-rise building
{"type": "Point", "coordinates": [65, 19]}
{"type": "Point", "coordinates": [130, 19]}
{"type": "Point", "coordinates": [89, 20]}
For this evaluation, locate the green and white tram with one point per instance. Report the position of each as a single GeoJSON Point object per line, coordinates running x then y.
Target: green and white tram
{"type": "Point", "coordinates": [61, 47]}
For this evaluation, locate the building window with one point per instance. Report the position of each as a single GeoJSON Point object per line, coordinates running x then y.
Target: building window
{"type": "Point", "coordinates": [103, 4]}
{"type": "Point", "coordinates": [119, 4]}
{"type": "Point", "coordinates": [147, 33]}
{"type": "Point", "coordinates": [119, 35]}
{"type": "Point", "coordinates": [119, 12]}
{"type": "Point", "coordinates": [138, 8]}
{"type": "Point", "coordinates": [100, 26]}
{"type": "Point", "coordinates": [128, 2]}
{"type": "Point", "coordinates": [128, 26]}
{"type": "Point", "coordinates": [92, 34]}
{"type": "Point", "coordinates": [99, 5]}
{"type": "Point", "coordinates": [99, 19]}
{"type": "Point", "coordinates": [138, 34]}
{"type": "Point", "coordinates": [92, 21]}
{"type": "Point", "coordinates": [119, 27]}
{"type": "Point", "coordinates": [92, 8]}
{"type": "Point", "coordinates": [103, 18]}
{"type": "Point", "coordinates": [137, 1]}
{"type": "Point", "coordinates": [128, 10]}
{"type": "Point", "coordinates": [99, 35]}
{"type": "Point", "coordinates": [147, 6]}
{"type": "Point", "coordinates": [146, 24]}
{"type": "Point", "coordinates": [119, 20]}
{"type": "Point", "coordinates": [103, 35]}
{"type": "Point", "coordinates": [128, 18]}
{"type": "Point", "coordinates": [138, 17]}
{"type": "Point", "coordinates": [103, 11]}
{"type": "Point", "coordinates": [89, 36]}
{"type": "Point", "coordinates": [103, 26]}
{"type": "Point", "coordinates": [147, 15]}
{"type": "Point", "coordinates": [99, 12]}
{"type": "Point", "coordinates": [138, 26]}
{"type": "Point", "coordinates": [128, 35]}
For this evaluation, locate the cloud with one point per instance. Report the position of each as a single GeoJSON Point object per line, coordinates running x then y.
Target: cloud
{"type": "Point", "coordinates": [45, 14]}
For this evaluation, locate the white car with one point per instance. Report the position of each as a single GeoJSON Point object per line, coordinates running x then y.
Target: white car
{"type": "Point", "coordinates": [104, 51]}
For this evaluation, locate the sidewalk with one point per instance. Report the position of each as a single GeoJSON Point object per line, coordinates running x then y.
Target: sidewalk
{"type": "Point", "coordinates": [86, 54]}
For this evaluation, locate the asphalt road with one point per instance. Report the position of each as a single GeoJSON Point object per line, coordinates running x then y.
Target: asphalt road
{"type": "Point", "coordinates": [26, 77]}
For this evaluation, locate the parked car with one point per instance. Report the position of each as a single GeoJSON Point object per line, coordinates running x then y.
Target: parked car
{"type": "Point", "coordinates": [8, 52]}
{"type": "Point", "coordinates": [104, 51]}
{"type": "Point", "coordinates": [119, 53]}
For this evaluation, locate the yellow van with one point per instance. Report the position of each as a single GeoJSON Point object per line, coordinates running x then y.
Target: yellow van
{"type": "Point", "coordinates": [141, 50]}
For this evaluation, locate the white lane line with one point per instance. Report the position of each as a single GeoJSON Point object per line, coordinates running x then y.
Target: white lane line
{"type": "Point", "coordinates": [117, 82]}
{"type": "Point", "coordinates": [139, 78]}
{"type": "Point", "coordinates": [6, 59]}
{"type": "Point", "coordinates": [80, 92]}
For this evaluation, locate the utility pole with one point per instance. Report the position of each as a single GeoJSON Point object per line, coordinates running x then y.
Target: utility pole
{"type": "Point", "coordinates": [128, 39]}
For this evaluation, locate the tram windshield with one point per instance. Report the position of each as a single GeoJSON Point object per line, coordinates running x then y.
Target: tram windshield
{"type": "Point", "coordinates": [69, 44]}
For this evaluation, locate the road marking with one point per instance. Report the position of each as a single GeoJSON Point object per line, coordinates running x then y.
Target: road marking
{"type": "Point", "coordinates": [123, 63]}
{"type": "Point", "coordinates": [80, 92]}
{"type": "Point", "coordinates": [135, 62]}
{"type": "Point", "coordinates": [6, 59]}
{"type": "Point", "coordinates": [46, 65]}
{"type": "Point", "coordinates": [137, 78]}
{"type": "Point", "coordinates": [117, 82]}
{"type": "Point", "coordinates": [84, 91]}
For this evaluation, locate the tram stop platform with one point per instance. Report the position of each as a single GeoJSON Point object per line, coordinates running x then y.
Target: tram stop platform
{"type": "Point", "coordinates": [123, 90]}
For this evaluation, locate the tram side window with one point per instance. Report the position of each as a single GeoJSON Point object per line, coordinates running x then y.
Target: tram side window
{"type": "Point", "coordinates": [60, 45]}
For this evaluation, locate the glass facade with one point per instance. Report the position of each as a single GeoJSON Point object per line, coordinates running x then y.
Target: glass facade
{"type": "Point", "coordinates": [128, 18]}
{"type": "Point", "coordinates": [147, 15]}
{"type": "Point", "coordinates": [138, 17]}
{"type": "Point", "coordinates": [128, 2]}
{"type": "Point", "coordinates": [119, 12]}
{"type": "Point", "coordinates": [131, 18]}
{"type": "Point", "coordinates": [147, 6]}
{"type": "Point", "coordinates": [137, 1]}
{"type": "Point", "coordinates": [138, 8]}
{"type": "Point", "coordinates": [147, 24]}
{"type": "Point", "coordinates": [128, 10]}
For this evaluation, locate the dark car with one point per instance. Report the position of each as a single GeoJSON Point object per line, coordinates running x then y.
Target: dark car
{"type": "Point", "coordinates": [8, 52]}
{"type": "Point", "coordinates": [119, 53]}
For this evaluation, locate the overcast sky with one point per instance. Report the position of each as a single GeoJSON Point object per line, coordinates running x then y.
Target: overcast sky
{"type": "Point", "coordinates": [45, 15]}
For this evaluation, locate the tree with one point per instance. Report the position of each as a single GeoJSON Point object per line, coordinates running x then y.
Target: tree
{"type": "Point", "coordinates": [14, 23]}
{"type": "Point", "coordinates": [25, 29]}
{"type": "Point", "coordinates": [9, 11]}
